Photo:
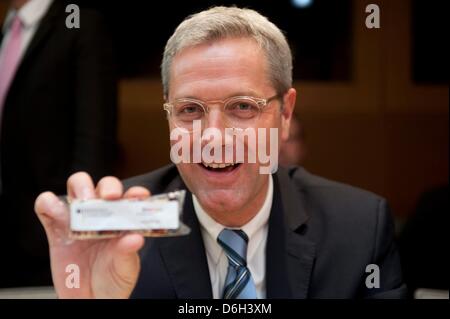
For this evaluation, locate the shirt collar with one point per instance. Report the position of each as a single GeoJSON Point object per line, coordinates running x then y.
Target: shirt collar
{"type": "Point", "coordinates": [30, 13]}
{"type": "Point", "coordinates": [213, 228]}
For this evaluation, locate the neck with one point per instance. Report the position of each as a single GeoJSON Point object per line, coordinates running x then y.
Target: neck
{"type": "Point", "coordinates": [17, 4]}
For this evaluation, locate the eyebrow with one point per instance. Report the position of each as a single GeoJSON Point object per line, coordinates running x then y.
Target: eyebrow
{"type": "Point", "coordinates": [239, 93]}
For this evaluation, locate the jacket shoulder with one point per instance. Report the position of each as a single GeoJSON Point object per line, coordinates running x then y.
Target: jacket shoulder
{"type": "Point", "coordinates": [337, 203]}
{"type": "Point", "coordinates": [351, 228]}
{"type": "Point", "coordinates": [319, 186]}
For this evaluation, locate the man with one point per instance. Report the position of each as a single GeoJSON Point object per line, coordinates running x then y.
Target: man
{"type": "Point", "coordinates": [58, 116]}
{"type": "Point", "coordinates": [284, 235]}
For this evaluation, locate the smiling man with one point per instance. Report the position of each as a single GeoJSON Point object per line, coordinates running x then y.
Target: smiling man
{"type": "Point", "coordinates": [289, 234]}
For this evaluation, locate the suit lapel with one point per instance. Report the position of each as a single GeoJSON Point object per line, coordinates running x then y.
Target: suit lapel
{"type": "Point", "coordinates": [289, 254]}
{"type": "Point", "coordinates": [42, 31]}
{"type": "Point", "coordinates": [185, 258]}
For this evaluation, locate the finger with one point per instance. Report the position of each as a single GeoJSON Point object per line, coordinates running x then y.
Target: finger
{"type": "Point", "coordinates": [109, 187]}
{"type": "Point", "coordinates": [137, 192]}
{"type": "Point", "coordinates": [49, 207]}
{"type": "Point", "coordinates": [80, 185]}
{"type": "Point", "coordinates": [126, 264]}
{"type": "Point", "coordinates": [52, 213]}
{"type": "Point", "coordinates": [129, 244]}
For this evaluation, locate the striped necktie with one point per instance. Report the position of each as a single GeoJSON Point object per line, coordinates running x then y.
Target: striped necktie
{"type": "Point", "coordinates": [238, 283]}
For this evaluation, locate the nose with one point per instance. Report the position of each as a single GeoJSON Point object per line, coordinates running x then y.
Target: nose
{"type": "Point", "coordinates": [214, 136]}
{"type": "Point", "coordinates": [216, 119]}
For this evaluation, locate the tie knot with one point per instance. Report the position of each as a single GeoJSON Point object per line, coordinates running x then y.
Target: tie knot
{"type": "Point", "coordinates": [234, 242]}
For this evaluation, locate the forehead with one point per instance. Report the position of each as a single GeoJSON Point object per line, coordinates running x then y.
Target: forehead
{"type": "Point", "coordinates": [219, 69]}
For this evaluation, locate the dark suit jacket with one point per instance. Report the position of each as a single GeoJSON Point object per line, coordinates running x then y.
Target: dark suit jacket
{"type": "Point", "coordinates": [59, 117]}
{"type": "Point", "coordinates": [322, 235]}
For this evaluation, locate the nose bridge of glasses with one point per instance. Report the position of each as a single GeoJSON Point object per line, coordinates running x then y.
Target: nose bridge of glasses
{"type": "Point", "coordinates": [216, 117]}
{"type": "Point", "coordinates": [218, 103]}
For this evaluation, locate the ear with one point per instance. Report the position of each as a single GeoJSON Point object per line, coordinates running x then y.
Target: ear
{"type": "Point", "coordinates": [286, 113]}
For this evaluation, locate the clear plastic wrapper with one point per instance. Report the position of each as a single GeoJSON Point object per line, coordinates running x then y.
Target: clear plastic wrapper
{"type": "Point", "coordinates": [156, 216]}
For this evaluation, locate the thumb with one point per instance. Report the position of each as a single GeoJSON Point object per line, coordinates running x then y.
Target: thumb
{"type": "Point", "coordinates": [54, 216]}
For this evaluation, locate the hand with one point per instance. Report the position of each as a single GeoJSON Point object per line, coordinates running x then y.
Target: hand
{"type": "Point", "coordinates": [109, 268]}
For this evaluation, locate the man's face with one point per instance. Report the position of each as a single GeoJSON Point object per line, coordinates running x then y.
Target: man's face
{"type": "Point", "coordinates": [216, 71]}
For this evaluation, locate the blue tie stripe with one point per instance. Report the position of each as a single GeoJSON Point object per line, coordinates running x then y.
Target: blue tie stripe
{"type": "Point", "coordinates": [234, 239]}
{"type": "Point", "coordinates": [233, 290]}
{"type": "Point", "coordinates": [238, 283]}
{"type": "Point", "coordinates": [242, 234]}
{"type": "Point", "coordinates": [237, 259]}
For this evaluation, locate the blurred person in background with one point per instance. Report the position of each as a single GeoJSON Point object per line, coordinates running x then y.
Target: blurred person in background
{"type": "Point", "coordinates": [422, 241]}
{"type": "Point", "coordinates": [293, 150]}
{"type": "Point", "coordinates": [57, 115]}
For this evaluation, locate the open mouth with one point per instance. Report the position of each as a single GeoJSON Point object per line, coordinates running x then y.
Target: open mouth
{"type": "Point", "coordinates": [220, 168]}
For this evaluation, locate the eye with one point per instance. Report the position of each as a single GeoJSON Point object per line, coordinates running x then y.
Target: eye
{"type": "Point", "coordinates": [188, 109]}
{"type": "Point", "coordinates": [242, 106]}
{"type": "Point", "coordinates": [243, 109]}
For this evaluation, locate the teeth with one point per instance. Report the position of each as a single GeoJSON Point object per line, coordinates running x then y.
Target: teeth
{"type": "Point", "coordinates": [216, 165]}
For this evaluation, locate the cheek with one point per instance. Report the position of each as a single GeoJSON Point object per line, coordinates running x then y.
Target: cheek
{"type": "Point", "coordinates": [282, 133]}
{"type": "Point", "coordinates": [273, 135]}
{"type": "Point", "coordinates": [187, 173]}
{"type": "Point", "coordinates": [185, 168]}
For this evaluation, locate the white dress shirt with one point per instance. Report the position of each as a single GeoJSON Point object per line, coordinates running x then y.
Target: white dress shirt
{"type": "Point", "coordinates": [256, 230]}
{"type": "Point", "coordinates": [31, 13]}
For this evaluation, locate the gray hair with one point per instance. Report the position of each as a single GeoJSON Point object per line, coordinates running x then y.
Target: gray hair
{"type": "Point", "coordinates": [227, 22]}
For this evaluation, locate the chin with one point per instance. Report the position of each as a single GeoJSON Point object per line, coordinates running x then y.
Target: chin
{"type": "Point", "coordinates": [221, 201]}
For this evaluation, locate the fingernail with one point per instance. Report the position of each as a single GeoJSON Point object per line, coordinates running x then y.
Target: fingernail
{"type": "Point", "coordinates": [86, 193]}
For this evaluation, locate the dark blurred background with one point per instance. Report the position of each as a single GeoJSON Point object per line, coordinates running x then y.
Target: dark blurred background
{"type": "Point", "coordinates": [372, 103]}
